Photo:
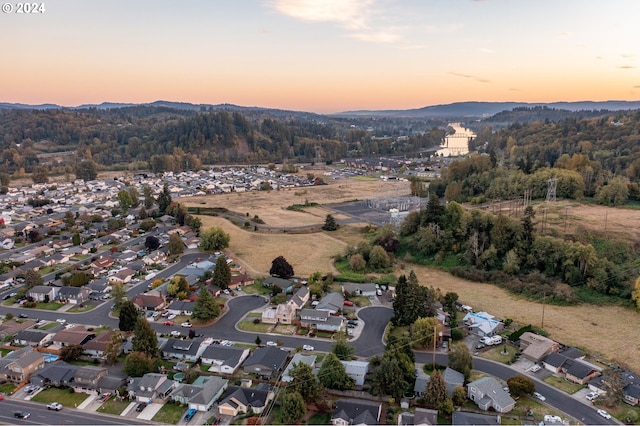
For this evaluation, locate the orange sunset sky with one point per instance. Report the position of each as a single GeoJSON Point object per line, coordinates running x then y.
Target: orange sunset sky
{"type": "Point", "coordinates": [321, 56]}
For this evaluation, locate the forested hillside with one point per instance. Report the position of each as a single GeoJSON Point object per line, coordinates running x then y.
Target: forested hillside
{"type": "Point", "coordinates": [168, 139]}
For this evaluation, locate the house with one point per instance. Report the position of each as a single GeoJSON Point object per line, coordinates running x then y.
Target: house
{"type": "Point", "coordinates": [420, 385]}
{"type": "Point", "coordinates": [73, 295]}
{"type": "Point", "coordinates": [482, 324]}
{"type": "Point", "coordinates": [202, 394]}
{"type": "Point", "coordinates": [73, 336]}
{"type": "Point", "coordinates": [321, 320]}
{"type": "Point", "coordinates": [152, 387]}
{"type": "Point", "coordinates": [280, 282]}
{"type": "Point", "coordinates": [356, 412]}
{"type": "Point", "coordinates": [186, 350]}
{"type": "Point", "coordinates": [266, 362]}
{"type": "Point", "coordinates": [244, 400]}
{"type": "Point", "coordinates": [86, 378]}
{"type": "Point", "coordinates": [365, 289]}
{"type": "Point", "coordinates": [41, 293]}
{"type": "Point", "coordinates": [110, 383]}
{"type": "Point", "coordinates": [104, 262]}
{"type": "Point", "coordinates": [224, 359]}
{"type": "Point", "coordinates": [298, 358]}
{"type": "Point", "coordinates": [300, 298]}
{"type": "Point", "coordinates": [19, 365]}
{"type": "Point", "coordinates": [149, 302]}
{"type": "Point", "coordinates": [181, 307]}
{"type": "Point", "coordinates": [535, 347]}
{"type": "Point", "coordinates": [573, 369]}
{"type": "Point", "coordinates": [475, 419]}
{"type": "Point", "coordinates": [96, 348]}
{"type": "Point", "coordinates": [31, 338]}
{"type": "Point", "coordinates": [357, 370]}
{"type": "Point", "coordinates": [422, 416]}
{"type": "Point", "coordinates": [192, 242]}
{"type": "Point", "coordinates": [11, 327]}
{"type": "Point", "coordinates": [283, 313]}
{"type": "Point", "coordinates": [630, 391]}
{"type": "Point", "coordinates": [331, 303]}
{"type": "Point", "coordinates": [57, 374]}
{"type": "Point", "coordinates": [487, 393]}
{"type": "Point", "coordinates": [631, 394]}
{"type": "Point", "coordinates": [240, 280]}
{"type": "Point", "coordinates": [122, 277]}
{"type": "Point", "coordinates": [452, 378]}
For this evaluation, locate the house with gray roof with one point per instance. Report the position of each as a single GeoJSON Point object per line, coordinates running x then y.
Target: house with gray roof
{"type": "Point", "coordinates": [19, 365]}
{"type": "Point", "coordinates": [331, 303]}
{"type": "Point", "coordinates": [110, 383]}
{"type": "Point", "coordinates": [31, 338]}
{"type": "Point", "coordinates": [298, 358]}
{"type": "Point", "coordinates": [152, 387]}
{"type": "Point", "coordinates": [482, 324]}
{"type": "Point", "coordinates": [40, 293]}
{"type": "Point", "coordinates": [202, 394]}
{"type": "Point", "coordinates": [59, 373]}
{"type": "Point", "coordinates": [422, 416]}
{"type": "Point", "coordinates": [73, 295]}
{"type": "Point", "coordinates": [86, 378]}
{"type": "Point", "coordinates": [224, 359]}
{"type": "Point", "coordinates": [321, 320]}
{"type": "Point", "coordinates": [487, 393]}
{"type": "Point", "coordinates": [359, 289]}
{"type": "Point", "coordinates": [356, 412]}
{"type": "Point", "coordinates": [244, 400]}
{"type": "Point", "coordinates": [266, 362]}
{"type": "Point", "coordinates": [474, 419]}
{"type": "Point", "coordinates": [452, 378]}
{"type": "Point", "coordinates": [181, 307]}
{"type": "Point", "coordinates": [183, 349]}
{"type": "Point", "coordinates": [357, 370]}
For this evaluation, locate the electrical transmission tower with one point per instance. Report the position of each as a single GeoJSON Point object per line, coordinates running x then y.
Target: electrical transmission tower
{"type": "Point", "coordinates": [551, 189]}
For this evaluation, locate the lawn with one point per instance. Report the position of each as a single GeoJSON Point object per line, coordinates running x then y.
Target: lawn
{"type": "Point", "coordinates": [7, 388]}
{"type": "Point", "coordinates": [50, 306]}
{"type": "Point", "coordinates": [539, 409]}
{"type": "Point", "coordinates": [63, 396]}
{"type": "Point", "coordinates": [170, 413]}
{"type": "Point", "coordinates": [48, 326]}
{"type": "Point", "coordinates": [497, 353]}
{"type": "Point", "coordinates": [84, 308]}
{"type": "Point", "coordinates": [250, 327]}
{"type": "Point", "coordinates": [113, 406]}
{"type": "Point", "coordinates": [620, 410]}
{"type": "Point", "coordinates": [562, 384]}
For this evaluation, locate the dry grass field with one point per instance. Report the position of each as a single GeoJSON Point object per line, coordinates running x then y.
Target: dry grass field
{"type": "Point", "coordinates": [609, 331]}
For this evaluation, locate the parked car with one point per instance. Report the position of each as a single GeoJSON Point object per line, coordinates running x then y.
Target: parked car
{"type": "Point", "coordinates": [175, 333]}
{"type": "Point", "coordinates": [168, 323]}
{"type": "Point", "coordinates": [604, 414]}
{"type": "Point", "coordinates": [548, 418]}
{"type": "Point", "coordinates": [539, 396]}
{"type": "Point", "coordinates": [591, 396]}
{"type": "Point", "coordinates": [21, 414]}
{"type": "Point", "coordinates": [186, 325]}
{"type": "Point", "coordinates": [141, 406]}
{"type": "Point", "coordinates": [535, 368]}
{"type": "Point", "coordinates": [54, 406]}
{"type": "Point", "coordinates": [23, 316]}
{"type": "Point", "coordinates": [61, 320]}
{"type": "Point", "coordinates": [271, 343]}
{"type": "Point", "coordinates": [192, 412]}
{"type": "Point", "coordinates": [307, 347]}
{"type": "Point", "coordinates": [172, 316]}
{"type": "Point", "coordinates": [348, 303]}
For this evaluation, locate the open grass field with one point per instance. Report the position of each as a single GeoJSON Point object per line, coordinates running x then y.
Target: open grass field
{"type": "Point", "coordinates": [610, 331]}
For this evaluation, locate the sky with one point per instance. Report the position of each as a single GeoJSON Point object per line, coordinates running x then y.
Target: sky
{"type": "Point", "coordinates": [321, 56]}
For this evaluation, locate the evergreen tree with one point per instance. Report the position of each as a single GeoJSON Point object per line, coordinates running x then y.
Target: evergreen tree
{"type": "Point", "coordinates": [293, 408]}
{"type": "Point", "coordinates": [222, 273]}
{"type": "Point", "coordinates": [330, 223]}
{"type": "Point", "coordinates": [342, 349]}
{"type": "Point", "coordinates": [304, 382]}
{"type": "Point", "coordinates": [113, 349]}
{"type": "Point", "coordinates": [145, 339]}
{"type": "Point", "coordinates": [433, 211]}
{"type": "Point", "coordinates": [205, 308]}
{"type": "Point", "coordinates": [164, 199]}
{"type": "Point", "coordinates": [388, 378]}
{"type": "Point", "coordinates": [128, 316]}
{"type": "Point", "coordinates": [148, 196]}
{"type": "Point", "coordinates": [333, 374]}
{"type": "Point", "coordinates": [119, 296]}
{"type": "Point", "coordinates": [175, 246]}
{"type": "Point", "coordinates": [436, 392]}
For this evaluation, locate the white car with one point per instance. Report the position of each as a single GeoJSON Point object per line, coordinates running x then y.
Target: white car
{"type": "Point", "coordinates": [271, 343]}
{"type": "Point", "coordinates": [61, 320]}
{"type": "Point", "coordinates": [539, 396]}
{"type": "Point", "coordinates": [54, 406]}
{"type": "Point", "coordinates": [548, 418]}
{"type": "Point", "coordinates": [186, 325]}
{"type": "Point", "coordinates": [535, 368]}
{"type": "Point", "coordinates": [175, 333]}
{"type": "Point", "coordinates": [307, 347]}
{"type": "Point", "coordinates": [591, 396]}
{"type": "Point", "coordinates": [172, 316]}
{"type": "Point", "coordinates": [226, 343]}
{"type": "Point", "coordinates": [604, 414]}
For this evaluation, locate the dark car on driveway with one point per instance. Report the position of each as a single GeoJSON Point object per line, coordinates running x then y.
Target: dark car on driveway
{"type": "Point", "coordinates": [141, 406]}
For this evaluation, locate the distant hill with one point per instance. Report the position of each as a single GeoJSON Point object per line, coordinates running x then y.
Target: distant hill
{"type": "Point", "coordinates": [485, 109]}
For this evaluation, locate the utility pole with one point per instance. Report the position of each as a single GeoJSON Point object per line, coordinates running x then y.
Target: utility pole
{"type": "Point", "coordinates": [544, 297]}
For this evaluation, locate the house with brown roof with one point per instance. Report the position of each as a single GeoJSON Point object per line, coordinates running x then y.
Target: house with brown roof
{"type": "Point", "coordinates": [104, 262]}
{"type": "Point", "coordinates": [240, 280]}
{"type": "Point", "coordinates": [19, 365]}
{"type": "Point", "coordinates": [11, 327]}
{"type": "Point", "coordinates": [535, 347]}
{"type": "Point", "coordinates": [77, 335]}
{"type": "Point", "coordinates": [149, 302]}
{"type": "Point", "coordinates": [96, 348]}
{"type": "Point", "coordinates": [122, 277]}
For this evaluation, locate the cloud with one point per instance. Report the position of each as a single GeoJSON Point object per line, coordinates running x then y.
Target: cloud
{"type": "Point", "coordinates": [626, 67]}
{"type": "Point", "coordinates": [487, 50]}
{"type": "Point", "coordinates": [628, 55]}
{"type": "Point", "coordinates": [478, 79]}
{"type": "Point", "coordinates": [361, 19]}
{"type": "Point", "coordinates": [457, 74]}
{"type": "Point", "coordinates": [636, 87]}
{"type": "Point", "coordinates": [352, 14]}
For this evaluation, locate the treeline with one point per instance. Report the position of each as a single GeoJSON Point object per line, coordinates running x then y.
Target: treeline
{"type": "Point", "coordinates": [166, 139]}
{"type": "Point", "coordinates": [481, 246]}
